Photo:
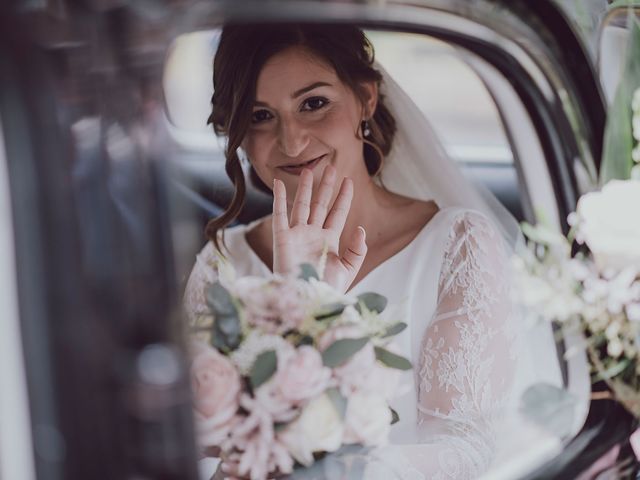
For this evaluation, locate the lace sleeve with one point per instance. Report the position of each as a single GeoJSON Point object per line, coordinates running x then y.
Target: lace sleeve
{"type": "Point", "coordinates": [205, 271]}
{"type": "Point", "coordinates": [466, 370]}
{"type": "Point", "coordinates": [466, 367]}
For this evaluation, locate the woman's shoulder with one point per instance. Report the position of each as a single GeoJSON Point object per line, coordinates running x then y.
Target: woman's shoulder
{"type": "Point", "coordinates": [231, 240]}
{"type": "Point", "coordinates": [458, 220]}
{"type": "Point", "coordinates": [472, 236]}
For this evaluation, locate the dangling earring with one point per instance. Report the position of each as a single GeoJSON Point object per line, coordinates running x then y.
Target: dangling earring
{"type": "Point", "coordinates": [366, 131]}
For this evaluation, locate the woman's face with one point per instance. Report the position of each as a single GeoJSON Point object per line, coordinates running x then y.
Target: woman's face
{"type": "Point", "coordinates": [304, 116]}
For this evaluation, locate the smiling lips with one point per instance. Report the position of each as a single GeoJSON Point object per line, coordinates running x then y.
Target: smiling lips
{"type": "Point", "coordinates": [297, 169]}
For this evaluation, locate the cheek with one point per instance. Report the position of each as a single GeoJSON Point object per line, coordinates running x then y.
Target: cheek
{"type": "Point", "coordinates": [339, 130]}
{"type": "Point", "coordinates": [257, 147]}
{"type": "Point", "coordinates": [251, 146]}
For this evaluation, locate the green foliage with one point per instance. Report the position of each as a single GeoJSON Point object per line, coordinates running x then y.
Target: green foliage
{"type": "Point", "coordinates": [226, 333]}
{"type": "Point", "coordinates": [549, 406]}
{"type": "Point", "coordinates": [615, 369]}
{"type": "Point", "coordinates": [263, 368]}
{"type": "Point", "coordinates": [342, 350]}
{"type": "Point", "coordinates": [329, 310]}
{"type": "Point", "coordinates": [391, 359]}
{"type": "Point", "coordinates": [374, 302]}
{"type": "Point", "coordinates": [623, 3]}
{"type": "Point", "coordinates": [308, 271]}
{"type": "Point", "coordinates": [395, 418]}
{"type": "Point", "coordinates": [394, 329]}
{"type": "Point", "coordinates": [618, 137]}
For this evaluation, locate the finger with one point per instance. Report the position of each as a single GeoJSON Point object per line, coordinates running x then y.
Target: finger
{"type": "Point", "coordinates": [353, 256]}
{"type": "Point", "coordinates": [320, 202]}
{"type": "Point", "coordinates": [280, 222]}
{"type": "Point", "coordinates": [302, 202]}
{"type": "Point", "coordinates": [340, 209]}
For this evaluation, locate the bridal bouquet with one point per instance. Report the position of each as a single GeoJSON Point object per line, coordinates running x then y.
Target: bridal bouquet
{"type": "Point", "coordinates": [285, 369]}
{"type": "Point", "coordinates": [595, 290]}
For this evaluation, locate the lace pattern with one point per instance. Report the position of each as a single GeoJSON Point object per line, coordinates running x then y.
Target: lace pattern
{"type": "Point", "coordinates": [205, 271]}
{"type": "Point", "coordinates": [464, 375]}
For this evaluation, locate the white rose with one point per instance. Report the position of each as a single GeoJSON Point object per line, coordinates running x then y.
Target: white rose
{"type": "Point", "coordinates": [319, 428]}
{"type": "Point", "coordinates": [606, 226]}
{"type": "Point", "coordinates": [321, 293]}
{"type": "Point", "coordinates": [368, 420]}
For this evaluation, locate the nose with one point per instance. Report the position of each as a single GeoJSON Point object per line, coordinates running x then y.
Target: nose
{"type": "Point", "coordinates": [292, 137]}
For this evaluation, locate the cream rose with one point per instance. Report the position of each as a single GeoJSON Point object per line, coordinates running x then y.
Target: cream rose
{"type": "Point", "coordinates": [606, 226]}
{"type": "Point", "coordinates": [216, 388]}
{"type": "Point", "coordinates": [368, 420]}
{"type": "Point", "coordinates": [317, 429]}
{"type": "Point", "coordinates": [302, 375]}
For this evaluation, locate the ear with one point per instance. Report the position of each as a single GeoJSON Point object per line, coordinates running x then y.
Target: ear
{"type": "Point", "coordinates": [370, 100]}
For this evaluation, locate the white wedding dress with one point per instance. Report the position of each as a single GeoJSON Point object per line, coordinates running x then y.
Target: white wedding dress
{"type": "Point", "coordinates": [452, 280]}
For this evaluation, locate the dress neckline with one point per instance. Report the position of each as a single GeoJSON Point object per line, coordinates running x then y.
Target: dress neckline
{"type": "Point", "coordinates": [263, 266]}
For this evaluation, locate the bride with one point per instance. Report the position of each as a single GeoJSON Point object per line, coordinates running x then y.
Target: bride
{"type": "Point", "coordinates": [354, 167]}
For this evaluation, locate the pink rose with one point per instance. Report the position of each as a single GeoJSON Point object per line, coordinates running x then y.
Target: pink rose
{"type": "Point", "coordinates": [256, 451]}
{"type": "Point", "coordinates": [302, 375]}
{"type": "Point", "coordinates": [216, 388]}
{"type": "Point", "coordinates": [274, 306]}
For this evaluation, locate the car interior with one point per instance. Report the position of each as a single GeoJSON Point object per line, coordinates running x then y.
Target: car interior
{"type": "Point", "coordinates": [109, 174]}
{"type": "Point", "coordinates": [478, 115]}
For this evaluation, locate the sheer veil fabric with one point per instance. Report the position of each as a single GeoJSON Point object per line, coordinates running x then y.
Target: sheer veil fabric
{"type": "Point", "coordinates": [465, 335]}
{"type": "Point", "coordinates": [419, 167]}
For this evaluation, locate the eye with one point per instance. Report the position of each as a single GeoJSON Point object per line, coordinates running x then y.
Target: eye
{"type": "Point", "coordinates": [260, 116]}
{"type": "Point", "coordinates": [314, 103]}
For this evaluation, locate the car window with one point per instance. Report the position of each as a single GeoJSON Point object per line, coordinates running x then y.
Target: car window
{"type": "Point", "coordinates": [612, 47]}
{"type": "Point", "coordinates": [448, 92]}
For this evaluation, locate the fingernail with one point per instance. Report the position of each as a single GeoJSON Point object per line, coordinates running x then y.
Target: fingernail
{"type": "Point", "coordinates": [364, 232]}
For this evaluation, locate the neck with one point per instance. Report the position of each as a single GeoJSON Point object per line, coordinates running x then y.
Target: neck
{"type": "Point", "coordinates": [370, 201]}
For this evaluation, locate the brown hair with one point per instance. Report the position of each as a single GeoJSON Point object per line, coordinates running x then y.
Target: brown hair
{"type": "Point", "coordinates": [242, 52]}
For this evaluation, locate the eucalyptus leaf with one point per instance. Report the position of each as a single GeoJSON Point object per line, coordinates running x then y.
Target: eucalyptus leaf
{"type": "Point", "coordinates": [338, 400]}
{"type": "Point", "coordinates": [342, 350]}
{"type": "Point", "coordinates": [329, 310]}
{"type": "Point", "coordinates": [227, 325]}
{"type": "Point", "coordinates": [220, 301]}
{"type": "Point", "coordinates": [395, 418]}
{"type": "Point", "coordinates": [226, 329]}
{"type": "Point", "coordinates": [394, 329]}
{"type": "Point", "coordinates": [391, 359]}
{"type": "Point", "coordinates": [549, 406]}
{"type": "Point", "coordinates": [308, 271]}
{"type": "Point", "coordinates": [263, 368]}
{"type": "Point", "coordinates": [225, 341]}
{"type": "Point", "coordinates": [374, 302]}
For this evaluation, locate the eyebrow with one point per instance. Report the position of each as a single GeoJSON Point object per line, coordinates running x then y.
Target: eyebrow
{"type": "Point", "coordinates": [302, 91]}
{"type": "Point", "coordinates": [308, 88]}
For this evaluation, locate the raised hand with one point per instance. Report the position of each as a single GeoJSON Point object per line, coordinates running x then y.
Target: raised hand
{"type": "Point", "coordinates": [315, 226]}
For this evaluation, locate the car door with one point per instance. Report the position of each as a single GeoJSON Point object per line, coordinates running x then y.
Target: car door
{"type": "Point", "coordinates": [100, 240]}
